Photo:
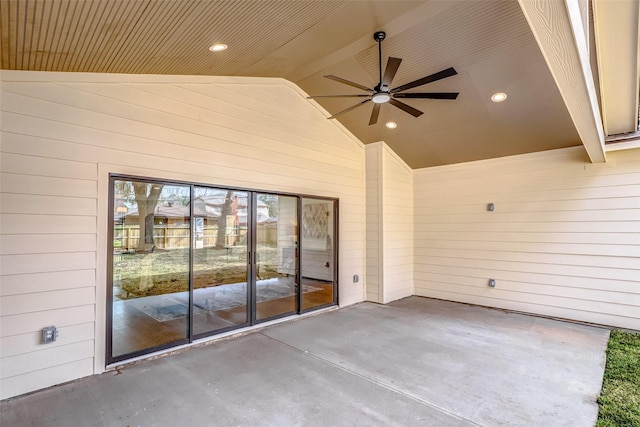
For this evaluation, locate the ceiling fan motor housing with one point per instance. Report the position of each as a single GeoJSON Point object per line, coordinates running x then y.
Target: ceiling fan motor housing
{"type": "Point", "coordinates": [379, 36]}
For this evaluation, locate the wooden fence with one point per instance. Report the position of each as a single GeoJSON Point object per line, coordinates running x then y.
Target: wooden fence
{"type": "Point", "coordinates": [125, 238]}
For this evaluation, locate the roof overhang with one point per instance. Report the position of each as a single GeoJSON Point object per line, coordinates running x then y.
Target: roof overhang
{"type": "Point", "coordinates": [559, 29]}
{"type": "Point", "coordinates": [616, 28]}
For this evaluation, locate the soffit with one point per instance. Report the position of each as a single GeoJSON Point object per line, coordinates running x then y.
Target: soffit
{"type": "Point", "coordinates": [488, 42]}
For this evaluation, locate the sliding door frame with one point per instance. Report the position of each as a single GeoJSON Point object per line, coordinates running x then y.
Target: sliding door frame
{"type": "Point", "coordinates": [251, 319]}
{"type": "Point", "coordinates": [110, 236]}
{"type": "Point", "coordinates": [336, 297]}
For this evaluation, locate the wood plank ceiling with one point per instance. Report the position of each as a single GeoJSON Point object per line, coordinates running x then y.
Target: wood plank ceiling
{"type": "Point", "coordinates": [488, 42]}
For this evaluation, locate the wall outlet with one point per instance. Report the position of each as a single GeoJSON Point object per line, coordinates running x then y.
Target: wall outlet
{"type": "Point", "coordinates": [49, 334]}
{"type": "Point", "coordinates": [492, 283]}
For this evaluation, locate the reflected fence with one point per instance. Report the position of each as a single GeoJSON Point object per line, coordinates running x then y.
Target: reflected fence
{"type": "Point", "coordinates": [127, 237]}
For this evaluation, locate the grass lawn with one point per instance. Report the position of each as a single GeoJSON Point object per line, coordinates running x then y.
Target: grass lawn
{"type": "Point", "coordinates": [166, 271]}
{"type": "Point", "coordinates": [620, 397]}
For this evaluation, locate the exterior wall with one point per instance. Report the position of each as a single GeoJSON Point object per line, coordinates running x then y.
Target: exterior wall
{"type": "Point", "coordinates": [63, 133]}
{"type": "Point", "coordinates": [374, 264]}
{"type": "Point", "coordinates": [563, 241]}
{"type": "Point", "coordinates": [389, 225]}
{"type": "Point", "coordinates": [398, 227]}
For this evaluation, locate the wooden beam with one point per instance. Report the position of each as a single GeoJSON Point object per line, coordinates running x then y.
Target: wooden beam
{"type": "Point", "coordinates": [557, 27]}
{"type": "Point", "coordinates": [616, 28]}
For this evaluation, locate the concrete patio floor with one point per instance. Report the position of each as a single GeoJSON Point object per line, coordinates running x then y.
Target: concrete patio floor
{"type": "Point", "coordinates": [413, 362]}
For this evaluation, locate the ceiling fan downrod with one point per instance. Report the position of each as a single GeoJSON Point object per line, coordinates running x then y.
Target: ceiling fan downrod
{"type": "Point", "coordinates": [379, 36]}
{"type": "Point", "coordinates": [380, 96]}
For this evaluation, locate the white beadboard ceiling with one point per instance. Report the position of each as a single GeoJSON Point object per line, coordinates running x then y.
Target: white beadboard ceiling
{"type": "Point", "coordinates": [488, 42]}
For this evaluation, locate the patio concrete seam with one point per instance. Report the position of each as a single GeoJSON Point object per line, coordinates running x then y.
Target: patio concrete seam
{"type": "Point", "coordinates": [373, 381]}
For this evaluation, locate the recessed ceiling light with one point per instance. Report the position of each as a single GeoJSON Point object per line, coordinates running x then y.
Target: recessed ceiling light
{"type": "Point", "coordinates": [391, 125]}
{"type": "Point", "coordinates": [218, 47]}
{"type": "Point", "coordinates": [498, 97]}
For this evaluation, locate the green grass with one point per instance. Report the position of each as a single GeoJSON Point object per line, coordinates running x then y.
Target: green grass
{"type": "Point", "coordinates": [620, 397]}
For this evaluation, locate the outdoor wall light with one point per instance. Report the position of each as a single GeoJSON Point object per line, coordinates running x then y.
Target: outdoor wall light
{"type": "Point", "coordinates": [491, 207]}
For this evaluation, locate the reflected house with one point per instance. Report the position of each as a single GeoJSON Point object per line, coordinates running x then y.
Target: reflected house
{"type": "Point", "coordinates": [171, 222]}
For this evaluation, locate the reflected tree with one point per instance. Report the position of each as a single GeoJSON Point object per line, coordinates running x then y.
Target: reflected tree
{"type": "Point", "coordinates": [146, 197]}
{"type": "Point", "coordinates": [222, 221]}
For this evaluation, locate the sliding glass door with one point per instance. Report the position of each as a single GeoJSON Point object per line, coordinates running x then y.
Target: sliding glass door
{"type": "Point", "coordinates": [276, 255]}
{"type": "Point", "coordinates": [150, 268]}
{"type": "Point", "coordinates": [220, 247]}
{"type": "Point", "coordinates": [317, 253]}
{"type": "Point", "coordinates": [189, 261]}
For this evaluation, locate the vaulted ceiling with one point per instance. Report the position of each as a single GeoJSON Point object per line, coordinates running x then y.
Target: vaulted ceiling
{"type": "Point", "coordinates": [489, 43]}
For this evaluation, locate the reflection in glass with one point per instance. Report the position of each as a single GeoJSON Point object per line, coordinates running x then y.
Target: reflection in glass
{"type": "Point", "coordinates": [168, 236]}
{"type": "Point", "coordinates": [151, 234]}
{"type": "Point", "coordinates": [220, 259]}
{"type": "Point", "coordinates": [316, 257]}
{"type": "Point", "coordinates": [276, 255]}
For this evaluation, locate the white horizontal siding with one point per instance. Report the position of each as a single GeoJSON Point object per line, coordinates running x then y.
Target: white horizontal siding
{"type": "Point", "coordinates": [398, 227]}
{"type": "Point", "coordinates": [26, 343]}
{"type": "Point", "coordinates": [49, 281]}
{"type": "Point", "coordinates": [374, 261]}
{"type": "Point", "coordinates": [563, 241]}
{"type": "Point", "coordinates": [62, 133]}
{"type": "Point", "coordinates": [20, 384]}
{"type": "Point", "coordinates": [389, 225]}
{"type": "Point", "coordinates": [34, 321]}
{"type": "Point", "coordinates": [50, 300]}
{"type": "Point", "coordinates": [46, 243]}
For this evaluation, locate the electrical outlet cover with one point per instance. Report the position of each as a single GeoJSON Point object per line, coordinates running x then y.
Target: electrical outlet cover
{"type": "Point", "coordinates": [49, 334]}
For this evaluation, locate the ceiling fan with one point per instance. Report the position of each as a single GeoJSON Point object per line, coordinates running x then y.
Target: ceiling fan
{"type": "Point", "coordinates": [382, 93]}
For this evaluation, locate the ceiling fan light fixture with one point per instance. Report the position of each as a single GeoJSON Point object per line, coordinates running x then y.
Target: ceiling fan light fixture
{"type": "Point", "coordinates": [499, 97]}
{"type": "Point", "coordinates": [391, 125]}
{"type": "Point", "coordinates": [218, 47]}
{"type": "Point", "coordinates": [381, 98]}
{"type": "Point", "coordinates": [383, 91]}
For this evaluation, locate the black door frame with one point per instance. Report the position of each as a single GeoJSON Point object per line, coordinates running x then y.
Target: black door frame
{"type": "Point", "coordinates": [251, 263]}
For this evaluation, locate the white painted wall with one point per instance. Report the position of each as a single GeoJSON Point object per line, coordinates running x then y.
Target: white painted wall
{"type": "Point", "coordinates": [63, 133]}
{"type": "Point", "coordinates": [389, 225]}
{"type": "Point", "coordinates": [564, 239]}
{"type": "Point", "coordinates": [374, 264]}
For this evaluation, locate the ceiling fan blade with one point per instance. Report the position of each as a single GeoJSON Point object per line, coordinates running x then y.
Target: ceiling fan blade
{"type": "Point", "coordinates": [374, 114]}
{"type": "Point", "coordinates": [337, 96]}
{"type": "Point", "coordinates": [390, 72]}
{"type": "Point", "coordinates": [428, 79]}
{"type": "Point", "coordinates": [347, 82]}
{"type": "Point", "coordinates": [406, 108]}
{"type": "Point", "coordinates": [428, 95]}
{"type": "Point", "coordinates": [349, 109]}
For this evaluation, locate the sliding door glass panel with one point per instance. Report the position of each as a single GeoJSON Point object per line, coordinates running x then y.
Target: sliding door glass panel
{"type": "Point", "coordinates": [276, 255]}
{"type": "Point", "coordinates": [150, 282]}
{"type": "Point", "coordinates": [219, 259]}
{"type": "Point", "coordinates": [317, 240]}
